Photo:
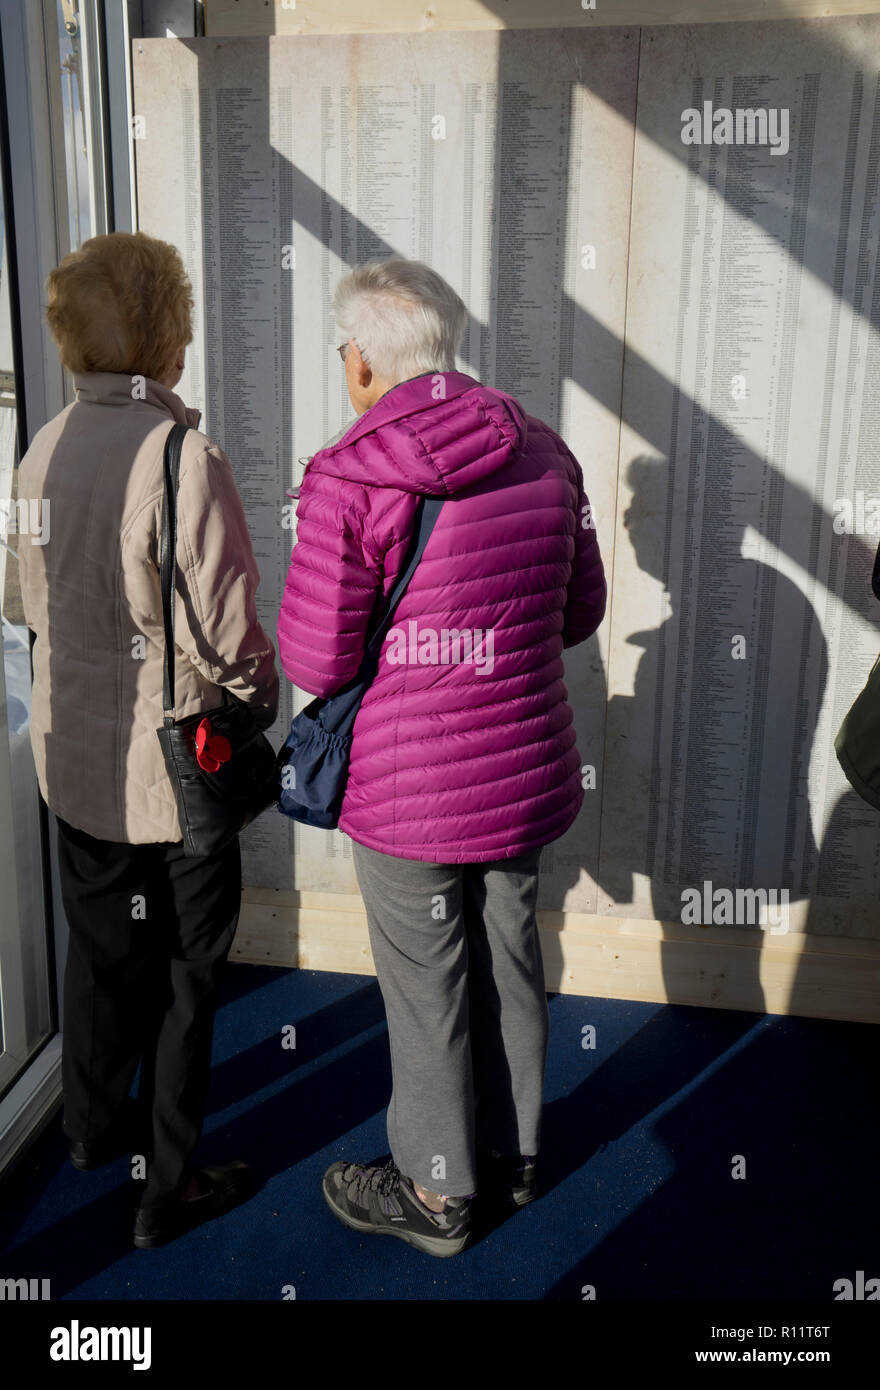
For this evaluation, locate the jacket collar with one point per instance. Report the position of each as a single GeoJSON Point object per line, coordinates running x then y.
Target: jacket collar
{"type": "Point", "coordinates": [405, 398]}
{"type": "Point", "coordinates": [115, 388]}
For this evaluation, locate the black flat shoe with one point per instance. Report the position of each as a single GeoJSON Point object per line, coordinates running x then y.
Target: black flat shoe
{"type": "Point", "coordinates": [122, 1138]}
{"type": "Point", "coordinates": [225, 1185]}
{"type": "Point", "coordinates": [510, 1179]}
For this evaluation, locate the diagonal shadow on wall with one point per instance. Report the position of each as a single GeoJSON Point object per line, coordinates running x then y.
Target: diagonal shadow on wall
{"type": "Point", "coordinates": [647, 479]}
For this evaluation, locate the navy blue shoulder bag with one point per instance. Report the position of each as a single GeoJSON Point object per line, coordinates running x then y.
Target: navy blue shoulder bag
{"type": "Point", "coordinates": [313, 763]}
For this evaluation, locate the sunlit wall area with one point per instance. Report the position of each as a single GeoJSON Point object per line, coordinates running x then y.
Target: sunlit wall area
{"type": "Point", "coordinates": [663, 217]}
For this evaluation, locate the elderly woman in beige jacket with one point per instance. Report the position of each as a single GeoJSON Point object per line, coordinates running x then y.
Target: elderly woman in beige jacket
{"type": "Point", "coordinates": [150, 929]}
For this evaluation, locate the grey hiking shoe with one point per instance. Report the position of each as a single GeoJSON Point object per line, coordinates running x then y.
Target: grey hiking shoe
{"type": "Point", "coordinates": [380, 1200]}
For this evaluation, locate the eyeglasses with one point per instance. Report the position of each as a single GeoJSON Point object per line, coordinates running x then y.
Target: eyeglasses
{"type": "Point", "coordinates": [343, 349]}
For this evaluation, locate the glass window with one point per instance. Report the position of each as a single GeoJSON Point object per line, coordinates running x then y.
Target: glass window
{"type": "Point", "coordinates": [27, 1002]}
{"type": "Point", "coordinates": [26, 1006]}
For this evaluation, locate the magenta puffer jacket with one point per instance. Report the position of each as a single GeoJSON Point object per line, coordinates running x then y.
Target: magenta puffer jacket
{"type": "Point", "coordinates": [463, 749]}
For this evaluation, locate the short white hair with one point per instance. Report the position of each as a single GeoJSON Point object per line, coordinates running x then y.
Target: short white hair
{"type": "Point", "coordinates": [404, 317]}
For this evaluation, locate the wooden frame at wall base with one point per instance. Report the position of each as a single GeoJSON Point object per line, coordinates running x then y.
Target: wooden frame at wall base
{"type": "Point", "coordinates": [605, 957]}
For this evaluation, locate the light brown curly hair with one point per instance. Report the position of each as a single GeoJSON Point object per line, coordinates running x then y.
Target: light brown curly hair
{"type": "Point", "coordinates": [121, 303]}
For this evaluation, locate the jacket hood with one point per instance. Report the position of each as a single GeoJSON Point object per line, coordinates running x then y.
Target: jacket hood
{"type": "Point", "coordinates": [436, 434]}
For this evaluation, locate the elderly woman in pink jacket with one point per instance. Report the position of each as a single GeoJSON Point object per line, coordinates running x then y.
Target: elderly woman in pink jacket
{"type": "Point", "coordinates": [150, 929]}
{"type": "Point", "coordinates": [463, 758]}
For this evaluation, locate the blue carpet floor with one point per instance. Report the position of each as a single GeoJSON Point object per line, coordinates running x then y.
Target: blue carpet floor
{"type": "Point", "coordinates": [639, 1141]}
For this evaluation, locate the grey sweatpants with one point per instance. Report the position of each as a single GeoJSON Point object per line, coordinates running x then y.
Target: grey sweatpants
{"type": "Point", "coordinates": [459, 965]}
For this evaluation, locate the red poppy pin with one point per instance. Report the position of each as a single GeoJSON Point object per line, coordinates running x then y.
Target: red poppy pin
{"type": "Point", "coordinates": [212, 750]}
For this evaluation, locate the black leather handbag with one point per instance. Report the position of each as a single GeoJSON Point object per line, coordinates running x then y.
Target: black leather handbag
{"type": "Point", "coordinates": [313, 764]}
{"type": "Point", "coordinates": [221, 765]}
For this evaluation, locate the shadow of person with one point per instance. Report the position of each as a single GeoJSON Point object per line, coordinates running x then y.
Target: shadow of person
{"type": "Point", "coordinates": [726, 773]}
{"type": "Point", "coordinates": [707, 783]}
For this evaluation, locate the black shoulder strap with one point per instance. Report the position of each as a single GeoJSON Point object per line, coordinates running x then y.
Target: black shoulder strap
{"type": "Point", "coordinates": [345, 702]}
{"type": "Point", "coordinates": [167, 557]}
{"type": "Point", "coordinates": [427, 511]}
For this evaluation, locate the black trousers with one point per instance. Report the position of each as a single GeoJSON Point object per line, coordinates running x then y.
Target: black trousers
{"type": "Point", "coordinates": [150, 931]}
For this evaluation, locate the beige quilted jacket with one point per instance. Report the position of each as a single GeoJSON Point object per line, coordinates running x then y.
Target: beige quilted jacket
{"type": "Point", "coordinates": [90, 589]}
